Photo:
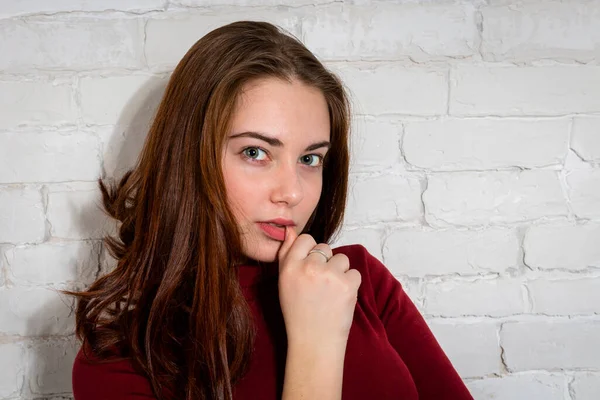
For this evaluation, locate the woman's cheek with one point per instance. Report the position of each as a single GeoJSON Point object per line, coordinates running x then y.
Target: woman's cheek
{"type": "Point", "coordinates": [313, 188]}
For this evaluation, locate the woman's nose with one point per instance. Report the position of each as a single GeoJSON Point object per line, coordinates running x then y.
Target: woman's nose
{"type": "Point", "coordinates": [287, 186]}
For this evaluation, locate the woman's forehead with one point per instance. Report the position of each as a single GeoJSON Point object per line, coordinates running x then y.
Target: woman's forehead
{"type": "Point", "coordinates": [286, 110]}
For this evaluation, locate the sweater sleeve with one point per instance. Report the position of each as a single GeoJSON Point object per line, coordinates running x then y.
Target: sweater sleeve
{"type": "Point", "coordinates": [408, 333]}
{"type": "Point", "coordinates": [109, 380]}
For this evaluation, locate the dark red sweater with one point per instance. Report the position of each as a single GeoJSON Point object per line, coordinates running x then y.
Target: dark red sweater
{"type": "Point", "coordinates": [391, 353]}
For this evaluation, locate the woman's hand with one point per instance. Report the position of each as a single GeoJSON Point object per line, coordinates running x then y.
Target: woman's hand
{"type": "Point", "coordinates": [317, 296]}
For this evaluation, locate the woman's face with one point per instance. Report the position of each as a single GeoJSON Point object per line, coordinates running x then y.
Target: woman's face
{"type": "Point", "coordinates": [272, 161]}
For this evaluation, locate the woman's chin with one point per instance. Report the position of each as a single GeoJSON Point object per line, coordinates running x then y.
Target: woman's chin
{"type": "Point", "coordinates": [263, 250]}
{"type": "Point", "coordinates": [263, 256]}
{"type": "Point", "coordinates": [258, 246]}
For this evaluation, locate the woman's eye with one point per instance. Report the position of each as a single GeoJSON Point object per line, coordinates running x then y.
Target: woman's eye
{"type": "Point", "coordinates": [254, 152]}
{"type": "Point", "coordinates": [312, 160]}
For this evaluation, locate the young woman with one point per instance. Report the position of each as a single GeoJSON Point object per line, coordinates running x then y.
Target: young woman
{"type": "Point", "coordinates": [225, 286]}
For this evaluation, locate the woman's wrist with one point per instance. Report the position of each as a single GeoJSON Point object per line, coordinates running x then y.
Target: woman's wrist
{"type": "Point", "coordinates": [313, 372]}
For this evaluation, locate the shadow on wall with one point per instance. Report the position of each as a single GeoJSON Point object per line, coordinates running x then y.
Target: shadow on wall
{"type": "Point", "coordinates": [50, 356]}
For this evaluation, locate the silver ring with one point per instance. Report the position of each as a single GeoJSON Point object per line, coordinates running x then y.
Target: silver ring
{"type": "Point", "coordinates": [320, 252]}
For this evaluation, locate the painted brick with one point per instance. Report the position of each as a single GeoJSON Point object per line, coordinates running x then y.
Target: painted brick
{"type": "Point", "coordinates": [168, 39]}
{"type": "Point", "coordinates": [472, 348]}
{"type": "Point", "coordinates": [409, 251]}
{"type": "Point", "coordinates": [13, 378]}
{"type": "Point", "coordinates": [374, 143]}
{"type": "Point", "coordinates": [3, 263]}
{"type": "Point", "coordinates": [485, 143]}
{"type": "Point", "coordinates": [53, 263]}
{"type": "Point", "coordinates": [35, 311]}
{"type": "Point", "coordinates": [530, 386]}
{"type": "Point", "coordinates": [36, 103]}
{"type": "Point", "coordinates": [493, 298]}
{"type": "Point", "coordinates": [53, 360]}
{"type": "Point", "coordinates": [542, 30]}
{"type": "Point", "coordinates": [399, 199]}
{"type": "Point", "coordinates": [375, 88]}
{"type": "Point", "coordinates": [391, 31]}
{"type": "Point", "coordinates": [584, 192]}
{"type": "Point", "coordinates": [75, 212]}
{"type": "Point", "coordinates": [22, 218]}
{"type": "Point", "coordinates": [543, 90]}
{"type": "Point", "coordinates": [585, 138]}
{"type": "Point", "coordinates": [49, 157]}
{"type": "Point", "coordinates": [121, 100]}
{"type": "Point", "coordinates": [571, 247]}
{"type": "Point", "coordinates": [551, 345]}
{"type": "Point", "coordinates": [475, 198]}
{"type": "Point", "coordinates": [25, 7]}
{"type": "Point", "coordinates": [586, 386]}
{"type": "Point", "coordinates": [565, 296]}
{"type": "Point", "coordinates": [70, 44]}
{"type": "Point", "coordinates": [204, 3]}
{"type": "Point", "coordinates": [121, 147]}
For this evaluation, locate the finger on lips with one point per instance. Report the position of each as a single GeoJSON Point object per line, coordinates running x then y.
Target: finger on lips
{"type": "Point", "coordinates": [300, 247]}
{"type": "Point", "coordinates": [290, 238]}
{"type": "Point", "coordinates": [303, 244]}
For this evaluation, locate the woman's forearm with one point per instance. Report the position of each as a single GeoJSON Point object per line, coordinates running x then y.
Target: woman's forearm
{"type": "Point", "coordinates": [313, 374]}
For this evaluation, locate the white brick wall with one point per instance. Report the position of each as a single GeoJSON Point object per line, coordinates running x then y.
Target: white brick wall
{"type": "Point", "coordinates": [49, 156]}
{"type": "Point", "coordinates": [170, 35]}
{"type": "Point", "coordinates": [529, 32]}
{"type": "Point", "coordinates": [586, 386]}
{"type": "Point", "coordinates": [524, 90]}
{"type": "Point", "coordinates": [469, 252]}
{"type": "Point", "coordinates": [524, 386]}
{"type": "Point", "coordinates": [496, 197]}
{"type": "Point", "coordinates": [475, 175]}
{"type": "Point", "coordinates": [551, 344]}
{"type": "Point", "coordinates": [585, 139]}
{"type": "Point", "coordinates": [40, 102]}
{"type": "Point", "coordinates": [473, 348]}
{"type": "Point", "coordinates": [391, 31]}
{"type": "Point", "coordinates": [376, 88]}
{"type": "Point", "coordinates": [484, 144]}
{"type": "Point", "coordinates": [572, 247]}
{"type": "Point", "coordinates": [67, 43]}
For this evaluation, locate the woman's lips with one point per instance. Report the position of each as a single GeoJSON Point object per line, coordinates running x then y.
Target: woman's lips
{"type": "Point", "coordinates": [272, 231]}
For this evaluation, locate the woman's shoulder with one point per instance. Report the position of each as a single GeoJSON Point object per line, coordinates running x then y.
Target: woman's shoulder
{"type": "Point", "coordinates": [373, 272]}
{"type": "Point", "coordinates": [353, 251]}
{"type": "Point", "coordinates": [113, 377]}
{"type": "Point", "coordinates": [361, 259]}
{"type": "Point", "coordinates": [379, 287]}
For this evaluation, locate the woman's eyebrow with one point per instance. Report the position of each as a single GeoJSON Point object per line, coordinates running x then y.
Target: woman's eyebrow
{"type": "Point", "coordinates": [276, 142]}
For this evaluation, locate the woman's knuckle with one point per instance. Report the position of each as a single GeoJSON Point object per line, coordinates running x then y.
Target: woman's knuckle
{"type": "Point", "coordinates": [308, 238]}
{"type": "Point", "coordinates": [342, 258]}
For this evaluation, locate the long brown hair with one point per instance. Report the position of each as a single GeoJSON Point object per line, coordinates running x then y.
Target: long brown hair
{"type": "Point", "coordinates": [174, 305]}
